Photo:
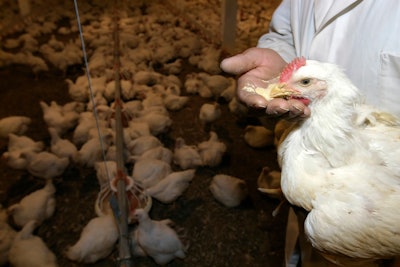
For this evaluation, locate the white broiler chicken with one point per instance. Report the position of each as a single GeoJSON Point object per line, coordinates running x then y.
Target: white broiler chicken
{"type": "Point", "coordinates": [159, 152]}
{"type": "Point", "coordinates": [91, 151]}
{"type": "Point", "coordinates": [212, 150]}
{"type": "Point", "coordinates": [342, 164]}
{"type": "Point", "coordinates": [216, 83]}
{"type": "Point", "coordinates": [158, 239]}
{"type": "Point", "coordinates": [78, 90]}
{"type": "Point", "coordinates": [192, 83]}
{"type": "Point", "coordinates": [97, 240]}
{"type": "Point", "coordinates": [86, 122]}
{"type": "Point", "coordinates": [44, 164]}
{"type": "Point", "coordinates": [61, 147]}
{"type": "Point", "coordinates": [21, 142]}
{"type": "Point", "coordinates": [7, 235]}
{"type": "Point", "coordinates": [228, 190]}
{"type": "Point", "coordinates": [134, 130]}
{"type": "Point", "coordinates": [172, 186]}
{"type": "Point", "coordinates": [135, 248]}
{"type": "Point", "coordinates": [186, 156]}
{"type": "Point", "coordinates": [149, 172]}
{"type": "Point", "coordinates": [17, 145]}
{"type": "Point", "coordinates": [143, 143]}
{"type": "Point", "coordinates": [30, 250]}
{"type": "Point", "coordinates": [38, 206]}
{"type": "Point", "coordinates": [158, 122]}
{"type": "Point", "coordinates": [14, 124]}
{"type": "Point", "coordinates": [175, 102]}
{"type": "Point", "coordinates": [97, 100]}
{"type": "Point", "coordinates": [57, 118]}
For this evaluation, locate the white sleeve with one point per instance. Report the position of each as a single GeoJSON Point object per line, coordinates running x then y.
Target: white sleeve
{"type": "Point", "coordinates": [280, 36]}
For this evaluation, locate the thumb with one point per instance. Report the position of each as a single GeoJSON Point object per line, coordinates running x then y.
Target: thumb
{"type": "Point", "coordinates": [241, 63]}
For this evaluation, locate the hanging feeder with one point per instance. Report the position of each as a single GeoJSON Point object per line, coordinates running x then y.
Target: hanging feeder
{"type": "Point", "coordinates": [134, 195]}
{"type": "Point", "coordinates": [122, 196]}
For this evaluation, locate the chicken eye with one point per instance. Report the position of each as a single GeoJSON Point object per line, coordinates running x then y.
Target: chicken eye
{"type": "Point", "coordinates": [305, 82]}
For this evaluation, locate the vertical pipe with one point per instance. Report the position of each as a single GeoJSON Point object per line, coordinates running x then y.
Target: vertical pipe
{"type": "Point", "coordinates": [124, 250]}
{"type": "Point", "coordinates": [228, 30]}
{"type": "Point", "coordinates": [24, 7]}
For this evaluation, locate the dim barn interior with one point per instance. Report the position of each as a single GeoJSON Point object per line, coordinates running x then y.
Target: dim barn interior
{"type": "Point", "coordinates": [123, 142]}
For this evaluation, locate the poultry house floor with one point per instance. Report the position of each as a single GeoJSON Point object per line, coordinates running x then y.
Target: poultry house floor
{"type": "Point", "coordinates": [247, 235]}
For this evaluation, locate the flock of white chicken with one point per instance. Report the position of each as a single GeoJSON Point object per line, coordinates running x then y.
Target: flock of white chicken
{"type": "Point", "coordinates": [82, 131]}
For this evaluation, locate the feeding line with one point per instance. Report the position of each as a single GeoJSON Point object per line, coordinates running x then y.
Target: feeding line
{"type": "Point", "coordinates": [120, 210]}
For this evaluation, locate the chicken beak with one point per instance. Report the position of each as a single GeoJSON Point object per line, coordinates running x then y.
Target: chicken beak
{"type": "Point", "coordinates": [281, 90]}
{"type": "Point", "coordinates": [274, 90]}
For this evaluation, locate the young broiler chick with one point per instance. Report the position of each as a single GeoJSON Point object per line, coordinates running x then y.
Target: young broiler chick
{"type": "Point", "coordinates": [21, 142]}
{"type": "Point", "coordinates": [175, 102]}
{"type": "Point", "coordinates": [91, 151]}
{"type": "Point", "coordinates": [228, 190]}
{"type": "Point", "coordinates": [45, 164]}
{"type": "Point", "coordinates": [159, 152]}
{"type": "Point", "coordinates": [14, 124]}
{"type": "Point", "coordinates": [258, 136]}
{"type": "Point", "coordinates": [185, 156]}
{"type": "Point", "coordinates": [86, 122]}
{"type": "Point", "coordinates": [7, 235]}
{"type": "Point", "coordinates": [269, 182]}
{"type": "Point", "coordinates": [97, 240]}
{"type": "Point", "coordinates": [157, 121]}
{"type": "Point", "coordinates": [143, 143]}
{"type": "Point", "coordinates": [212, 150]}
{"type": "Point", "coordinates": [38, 205]}
{"type": "Point", "coordinates": [17, 145]}
{"type": "Point", "coordinates": [209, 113]}
{"type": "Point", "coordinates": [192, 83]}
{"type": "Point", "coordinates": [57, 118]}
{"type": "Point", "coordinates": [172, 186]}
{"type": "Point", "coordinates": [150, 171]}
{"type": "Point", "coordinates": [30, 250]}
{"type": "Point", "coordinates": [62, 148]}
{"type": "Point", "coordinates": [341, 164]}
{"type": "Point", "coordinates": [157, 239]}
{"type": "Point", "coordinates": [79, 89]}
{"type": "Point", "coordinates": [216, 83]}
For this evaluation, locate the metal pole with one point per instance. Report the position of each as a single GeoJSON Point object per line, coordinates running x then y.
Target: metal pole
{"type": "Point", "coordinates": [228, 30]}
{"type": "Point", "coordinates": [119, 205]}
{"type": "Point", "coordinates": [124, 249]}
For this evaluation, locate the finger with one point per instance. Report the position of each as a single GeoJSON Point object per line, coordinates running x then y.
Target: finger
{"type": "Point", "coordinates": [298, 109]}
{"type": "Point", "coordinates": [252, 100]}
{"type": "Point", "coordinates": [277, 107]}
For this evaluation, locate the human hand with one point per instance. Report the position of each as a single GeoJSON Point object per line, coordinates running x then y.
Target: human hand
{"type": "Point", "coordinates": [258, 67]}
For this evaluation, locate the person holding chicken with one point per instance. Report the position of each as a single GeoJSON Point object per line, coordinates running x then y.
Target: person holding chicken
{"type": "Point", "coordinates": [360, 36]}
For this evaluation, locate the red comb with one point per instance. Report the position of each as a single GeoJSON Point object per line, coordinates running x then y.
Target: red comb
{"type": "Point", "coordinates": [296, 64]}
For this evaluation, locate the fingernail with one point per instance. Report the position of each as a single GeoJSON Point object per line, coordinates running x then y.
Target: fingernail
{"type": "Point", "coordinates": [274, 112]}
{"type": "Point", "coordinates": [284, 110]}
{"type": "Point", "coordinates": [297, 108]}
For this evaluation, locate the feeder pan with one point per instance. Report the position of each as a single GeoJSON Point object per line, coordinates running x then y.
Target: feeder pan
{"type": "Point", "coordinates": [136, 199]}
